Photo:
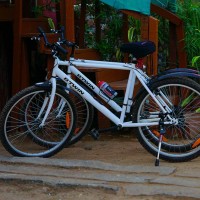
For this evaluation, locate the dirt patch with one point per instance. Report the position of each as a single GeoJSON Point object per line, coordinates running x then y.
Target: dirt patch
{"type": "Point", "coordinates": [14, 190]}
{"type": "Point", "coordinates": [115, 148]}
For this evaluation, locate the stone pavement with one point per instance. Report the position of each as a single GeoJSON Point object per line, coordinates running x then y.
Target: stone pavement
{"type": "Point", "coordinates": [134, 179]}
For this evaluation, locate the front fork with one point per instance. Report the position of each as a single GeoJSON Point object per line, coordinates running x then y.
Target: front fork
{"type": "Point", "coordinates": [50, 104]}
{"type": "Point", "coordinates": [52, 96]}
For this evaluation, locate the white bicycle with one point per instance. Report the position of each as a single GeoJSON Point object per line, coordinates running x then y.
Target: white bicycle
{"type": "Point", "coordinates": [41, 120]}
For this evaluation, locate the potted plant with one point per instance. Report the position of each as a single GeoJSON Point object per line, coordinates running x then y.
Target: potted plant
{"type": "Point", "coordinates": [43, 11]}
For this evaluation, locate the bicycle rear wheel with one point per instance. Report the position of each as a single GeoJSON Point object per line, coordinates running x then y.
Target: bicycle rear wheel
{"type": "Point", "coordinates": [21, 134]}
{"type": "Point", "coordinates": [181, 142]}
{"type": "Point", "coordinates": [85, 115]}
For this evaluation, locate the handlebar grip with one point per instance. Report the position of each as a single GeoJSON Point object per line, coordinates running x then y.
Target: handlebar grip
{"type": "Point", "coordinates": [69, 44]}
{"type": "Point", "coordinates": [61, 49]}
{"type": "Point", "coordinates": [62, 30]}
{"type": "Point", "coordinates": [43, 34]}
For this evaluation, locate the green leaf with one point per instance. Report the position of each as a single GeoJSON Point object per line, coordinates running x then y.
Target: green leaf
{"type": "Point", "coordinates": [51, 23]}
{"type": "Point", "coordinates": [187, 100]}
{"type": "Point", "coordinates": [194, 60]}
{"type": "Point", "coordinates": [118, 55]}
{"type": "Point", "coordinates": [197, 110]}
{"type": "Point", "coordinates": [130, 34]}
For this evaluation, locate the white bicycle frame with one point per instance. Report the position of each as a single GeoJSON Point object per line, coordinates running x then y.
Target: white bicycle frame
{"type": "Point", "coordinates": [134, 73]}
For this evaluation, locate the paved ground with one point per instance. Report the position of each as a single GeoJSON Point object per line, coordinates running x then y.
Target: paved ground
{"type": "Point", "coordinates": [118, 165]}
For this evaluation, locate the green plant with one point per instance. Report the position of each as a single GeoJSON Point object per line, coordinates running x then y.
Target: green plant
{"type": "Point", "coordinates": [134, 29]}
{"type": "Point", "coordinates": [195, 59]}
{"type": "Point", "coordinates": [111, 23]}
{"type": "Point", "coordinates": [111, 26]}
{"type": "Point", "coordinates": [133, 35]}
{"type": "Point", "coordinates": [189, 12]}
{"type": "Point", "coordinates": [196, 62]}
{"type": "Point", "coordinates": [111, 30]}
{"type": "Point", "coordinates": [47, 5]}
{"type": "Point", "coordinates": [163, 41]}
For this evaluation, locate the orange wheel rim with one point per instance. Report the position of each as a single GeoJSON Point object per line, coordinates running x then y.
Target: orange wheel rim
{"type": "Point", "coordinates": [67, 120]}
{"type": "Point", "coordinates": [157, 134]}
{"type": "Point", "coordinates": [76, 131]}
{"type": "Point", "coordinates": [196, 143]}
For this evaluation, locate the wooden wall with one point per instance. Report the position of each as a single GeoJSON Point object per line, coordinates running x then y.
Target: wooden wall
{"type": "Point", "coordinates": [5, 61]}
{"type": "Point", "coordinates": [24, 28]}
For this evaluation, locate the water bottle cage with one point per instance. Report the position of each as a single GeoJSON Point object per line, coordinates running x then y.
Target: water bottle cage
{"type": "Point", "coordinates": [108, 91]}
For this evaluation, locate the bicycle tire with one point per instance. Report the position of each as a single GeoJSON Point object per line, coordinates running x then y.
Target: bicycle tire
{"type": "Point", "coordinates": [85, 112]}
{"type": "Point", "coordinates": [32, 104]}
{"type": "Point", "coordinates": [85, 115]}
{"type": "Point", "coordinates": [178, 144]}
{"type": "Point", "coordinates": [20, 131]}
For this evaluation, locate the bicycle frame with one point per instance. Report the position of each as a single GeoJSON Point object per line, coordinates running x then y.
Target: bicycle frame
{"type": "Point", "coordinates": [134, 73]}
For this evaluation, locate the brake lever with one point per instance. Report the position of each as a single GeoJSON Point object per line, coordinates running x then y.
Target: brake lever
{"type": "Point", "coordinates": [37, 38]}
{"type": "Point", "coordinates": [69, 44]}
{"type": "Point", "coordinates": [54, 31]}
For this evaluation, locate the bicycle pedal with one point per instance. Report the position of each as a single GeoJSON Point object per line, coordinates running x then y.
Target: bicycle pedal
{"type": "Point", "coordinates": [95, 134]}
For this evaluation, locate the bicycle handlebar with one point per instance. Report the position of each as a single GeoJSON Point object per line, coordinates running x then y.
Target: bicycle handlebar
{"type": "Point", "coordinates": [43, 35]}
{"type": "Point", "coordinates": [56, 46]}
{"type": "Point", "coordinates": [62, 30]}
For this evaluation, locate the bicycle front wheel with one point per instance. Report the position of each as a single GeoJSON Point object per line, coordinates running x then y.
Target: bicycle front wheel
{"type": "Point", "coordinates": [181, 142]}
{"type": "Point", "coordinates": [20, 120]}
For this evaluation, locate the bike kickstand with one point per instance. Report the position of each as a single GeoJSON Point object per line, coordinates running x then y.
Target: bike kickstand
{"type": "Point", "coordinates": [162, 132]}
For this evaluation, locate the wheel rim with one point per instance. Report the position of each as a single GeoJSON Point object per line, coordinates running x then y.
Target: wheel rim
{"type": "Point", "coordinates": [21, 124]}
{"type": "Point", "coordinates": [180, 140]}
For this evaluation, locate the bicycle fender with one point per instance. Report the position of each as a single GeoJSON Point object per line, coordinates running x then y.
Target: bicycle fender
{"type": "Point", "coordinates": [47, 86]}
{"type": "Point", "coordinates": [169, 75]}
{"type": "Point", "coordinates": [177, 74]}
{"type": "Point", "coordinates": [44, 85]}
{"type": "Point", "coordinates": [176, 70]}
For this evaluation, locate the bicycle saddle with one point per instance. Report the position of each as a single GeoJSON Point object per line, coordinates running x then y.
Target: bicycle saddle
{"type": "Point", "coordinates": [139, 49]}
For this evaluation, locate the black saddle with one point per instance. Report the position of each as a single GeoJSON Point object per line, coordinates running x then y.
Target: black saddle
{"type": "Point", "coordinates": [139, 49]}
